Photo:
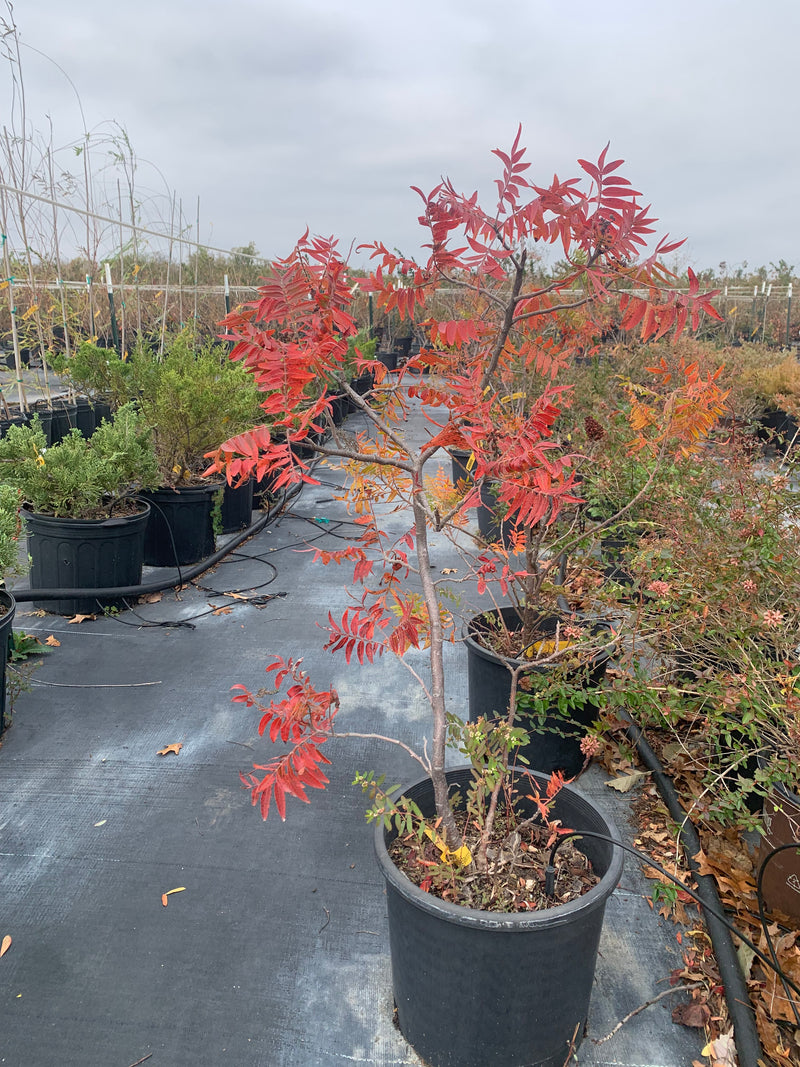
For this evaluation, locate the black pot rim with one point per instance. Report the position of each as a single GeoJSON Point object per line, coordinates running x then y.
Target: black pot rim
{"type": "Point", "coordinates": [143, 510]}
{"type": "Point", "coordinates": [476, 648]}
{"type": "Point", "coordinates": [185, 490]}
{"type": "Point", "coordinates": [508, 922]}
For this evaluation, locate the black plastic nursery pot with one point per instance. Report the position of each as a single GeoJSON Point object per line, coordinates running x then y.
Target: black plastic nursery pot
{"type": "Point", "coordinates": [555, 744]}
{"type": "Point", "coordinates": [485, 989]}
{"type": "Point", "coordinates": [180, 530]}
{"type": "Point", "coordinates": [63, 420]}
{"type": "Point", "coordinates": [237, 506]}
{"type": "Point", "coordinates": [7, 608]}
{"type": "Point", "coordinates": [85, 554]}
{"type": "Point", "coordinates": [493, 528]}
{"type": "Point", "coordinates": [781, 826]}
{"type": "Point", "coordinates": [19, 419]}
{"type": "Point", "coordinates": [85, 417]}
{"type": "Point", "coordinates": [462, 470]}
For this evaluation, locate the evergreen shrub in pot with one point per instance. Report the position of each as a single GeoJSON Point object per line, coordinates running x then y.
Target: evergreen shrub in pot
{"type": "Point", "coordinates": [436, 845]}
{"type": "Point", "coordinates": [192, 398]}
{"type": "Point", "coordinates": [85, 530]}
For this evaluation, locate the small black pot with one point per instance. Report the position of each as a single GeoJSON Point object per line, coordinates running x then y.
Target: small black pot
{"type": "Point", "coordinates": [20, 419]}
{"type": "Point", "coordinates": [493, 529]}
{"type": "Point", "coordinates": [237, 507]}
{"type": "Point", "coordinates": [555, 745]}
{"type": "Point", "coordinates": [7, 606]}
{"type": "Point", "coordinates": [85, 418]}
{"type": "Point", "coordinates": [85, 554]}
{"type": "Point", "coordinates": [485, 989]}
{"type": "Point", "coordinates": [64, 419]}
{"type": "Point", "coordinates": [389, 360]}
{"type": "Point", "coordinates": [181, 529]}
{"type": "Point", "coordinates": [781, 821]}
{"type": "Point", "coordinates": [460, 459]}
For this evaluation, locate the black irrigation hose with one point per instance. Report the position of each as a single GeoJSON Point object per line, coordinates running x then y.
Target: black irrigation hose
{"type": "Point", "coordinates": [748, 1045]}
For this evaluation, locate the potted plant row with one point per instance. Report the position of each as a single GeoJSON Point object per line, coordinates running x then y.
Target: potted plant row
{"type": "Point", "coordinates": [468, 982]}
{"type": "Point", "coordinates": [9, 564]}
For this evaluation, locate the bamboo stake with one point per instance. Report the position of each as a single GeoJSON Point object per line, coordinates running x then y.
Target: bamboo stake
{"type": "Point", "coordinates": [23, 401]}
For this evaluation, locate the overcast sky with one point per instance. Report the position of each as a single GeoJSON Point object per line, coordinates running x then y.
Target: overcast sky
{"type": "Point", "coordinates": [282, 114]}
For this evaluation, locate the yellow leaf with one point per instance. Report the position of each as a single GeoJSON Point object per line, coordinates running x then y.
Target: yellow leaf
{"type": "Point", "coordinates": [4, 284]}
{"type": "Point", "coordinates": [5, 945]}
{"type": "Point", "coordinates": [169, 892]}
{"type": "Point", "coordinates": [53, 641]}
{"type": "Point", "coordinates": [176, 747]}
{"type": "Point", "coordinates": [462, 856]}
{"type": "Point", "coordinates": [31, 310]}
{"type": "Point", "coordinates": [546, 647]}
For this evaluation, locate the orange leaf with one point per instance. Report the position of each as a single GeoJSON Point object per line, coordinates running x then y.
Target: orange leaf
{"type": "Point", "coordinates": [226, 609]}
{"type": "Point", "coordinates": [81, 618]}
{"type": "Point", "coordinates": [164, 900]}
{"type": "Point", "coordinates": [176, 747]}
{"type": "Point", "coordinates": [53, 641]}
{"type": "Point", "coordinates": [6, 945]}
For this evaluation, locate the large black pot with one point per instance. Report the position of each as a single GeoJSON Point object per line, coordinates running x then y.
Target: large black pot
{"type": "Point", "coordinates": [555, 742]}
{"type": "Point", "coordinates": [181, 527]}
{"type": "Point", "coordinates": [237, 506]}
{"type": "Point", "coordinates": [7, 607]}
{"type": "Point", "coordinates": [484, 989]}
{"type": "Point", "coordinates": [85, 554]}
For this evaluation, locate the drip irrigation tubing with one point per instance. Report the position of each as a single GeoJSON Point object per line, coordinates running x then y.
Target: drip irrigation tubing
{"type": "Point", "coordinates": [737, 997]}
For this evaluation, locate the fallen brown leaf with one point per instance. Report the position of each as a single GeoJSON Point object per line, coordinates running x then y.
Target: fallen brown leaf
{"type": "Point", "coordinates": [694, 1014]}
{"type": "Point", "coordinates": [169, 749]}
{"type": "Point", "coordinates": [151, 598]}
{"type": "Point", "coordinates": [164, 900]}
{"type": "Point", "coordinates": [5, 945]}
{"type": "Point", "coordinates": [81, 618]}
{"type": "Point", "coordinates": [53, 641]}
{"type": "Point", "coordinates": [226, 609]}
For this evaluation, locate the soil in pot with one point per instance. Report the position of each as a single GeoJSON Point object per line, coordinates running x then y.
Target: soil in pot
{"type": "Point", "coordinates": [555, 737]}
{"type": "Point", "coordinates": [500, 990]}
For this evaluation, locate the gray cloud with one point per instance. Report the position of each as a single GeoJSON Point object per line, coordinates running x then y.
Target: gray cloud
{"type": "Point", "coordinates": [323, 112]}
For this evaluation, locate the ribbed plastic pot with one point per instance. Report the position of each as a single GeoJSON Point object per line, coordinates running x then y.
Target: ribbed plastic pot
{"type": "Point", "coordinates": [237, 507]}
{"type": "Point", "coordinates": [85, 418]}
{"type": "Point", "coordinates": [64, 419]}
{"type": "Point", "coordinates": [555, 745]}
{"type": "Point", "coordinates": [85, 554]}
{"type": "Point", "coordinates": [7, 608]}
{"type": "Point", "coordinates": [180, 530]}
{"type": "Point", "coordinates": [484, 989]}
{"type": "Point", "coordinates": [781, 825]}
{"type": "Point", "coordinates": [20, 419]}
{"type": "Point", "coordinates": [45, 414]}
